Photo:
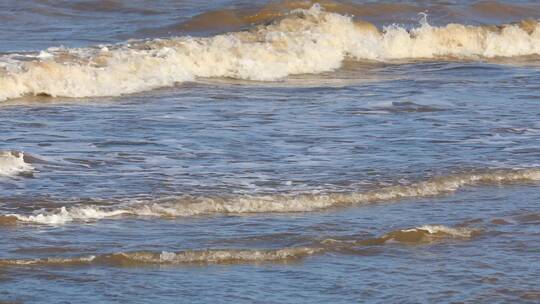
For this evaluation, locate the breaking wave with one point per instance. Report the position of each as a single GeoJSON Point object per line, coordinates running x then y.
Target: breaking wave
{"type": "Point", "coordinates": [12, 163]}
{"type": "Point", "coordinates": [194, 206]}
{"type": "Point", "coordinates": [420, 235]}
{"type": "Point", "coordinates": [304, 41]}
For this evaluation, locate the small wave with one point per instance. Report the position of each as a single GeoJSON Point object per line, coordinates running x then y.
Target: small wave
{"type": "Point", "coordinates": [12, 163]}
{"type": "Point", "coordinates": [304, 41]}
{"type": "Point", "coordinates": [141, 258]}
{"type": "Point", "coordinates": [419, 235]}
{"type": "Point", "coordinates": [428, 234]}
{"type": "Point", "coordinates": [196, 206]}
{"type": "Point", "coordinates": [228, 256]}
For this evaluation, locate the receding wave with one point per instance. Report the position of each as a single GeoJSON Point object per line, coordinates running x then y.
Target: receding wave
{"type": "Point", "coordinates": [420, 235]}
{"type": "Point", "coordinates": [12, 163]}
{"type": "Point", "coordinates": [195, 206]}
{"type": "Point", "coordinates": [304, 41]}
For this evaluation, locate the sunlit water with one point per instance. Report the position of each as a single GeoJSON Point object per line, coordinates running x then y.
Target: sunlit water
{"type": "Point", "coordinates": [388, 180]}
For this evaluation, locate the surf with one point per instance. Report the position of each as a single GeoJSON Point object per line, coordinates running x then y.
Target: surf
{"type": "Point", "coordinates": [304, 41]}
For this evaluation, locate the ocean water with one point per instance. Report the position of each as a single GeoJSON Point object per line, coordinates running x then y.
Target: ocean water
{"type": "Point", "coordinates": [269, 152]}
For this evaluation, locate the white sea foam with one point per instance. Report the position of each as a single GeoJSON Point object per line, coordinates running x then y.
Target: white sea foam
{"type": "Point", "coordinates": [12, 163]}
{"type": "Point", "coordinates": [62, 215]}
{"type": "Point", "coordinates": [186, 206]}
{"type": "Point", "coordinates": [305, 41]}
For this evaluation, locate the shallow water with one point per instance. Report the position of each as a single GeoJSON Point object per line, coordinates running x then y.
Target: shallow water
{"type": "Point", "coordinates": [380, 164]}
